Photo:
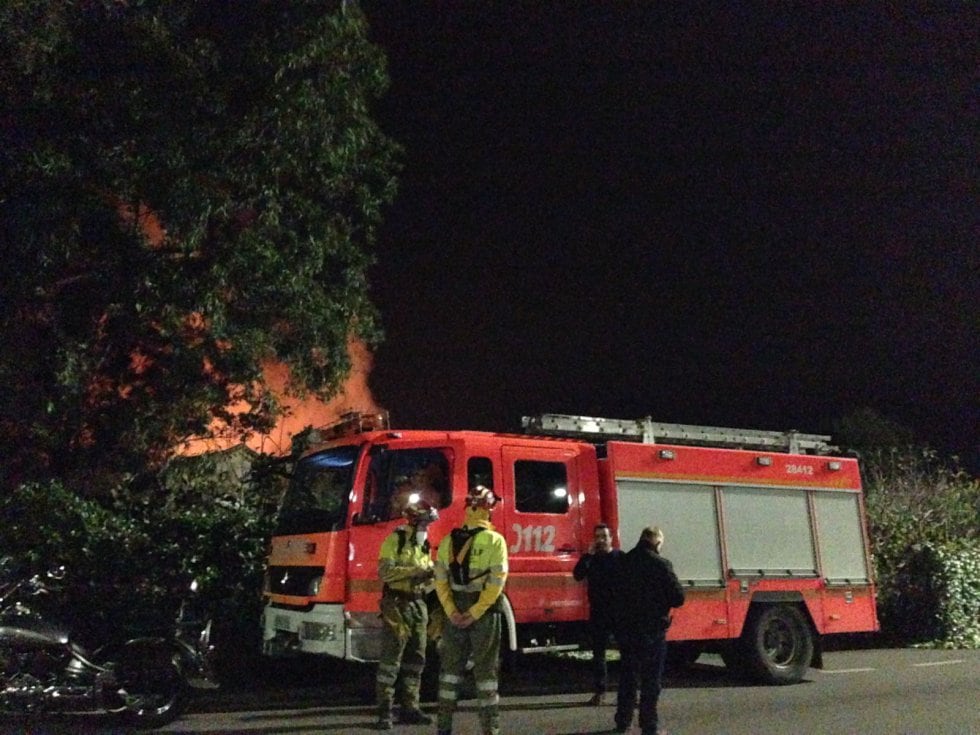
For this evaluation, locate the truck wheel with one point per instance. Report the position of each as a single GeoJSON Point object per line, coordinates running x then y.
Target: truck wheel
{"type": "Point", "coordinates": [777, 645]}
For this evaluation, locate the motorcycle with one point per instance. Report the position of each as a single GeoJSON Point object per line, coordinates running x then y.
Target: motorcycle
{"type": "Point", "coordinates": [142, 680]}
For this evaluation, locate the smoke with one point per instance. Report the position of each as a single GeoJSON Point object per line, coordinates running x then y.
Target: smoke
{"type": "Point", "coordinates": [300, 413]}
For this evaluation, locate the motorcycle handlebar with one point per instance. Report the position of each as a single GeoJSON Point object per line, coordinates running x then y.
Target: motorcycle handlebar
{"type": "Point", "coordinates": [32, 586]}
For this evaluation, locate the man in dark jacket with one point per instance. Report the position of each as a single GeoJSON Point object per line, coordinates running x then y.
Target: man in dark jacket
{"type": "Point", "coordinates": [600, 566]}
{"type": "Point", "coordinates": [648, 591]}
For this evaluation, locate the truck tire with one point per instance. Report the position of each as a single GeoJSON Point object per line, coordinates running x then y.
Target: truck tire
{"type": "Point", "coordinates": [776, 645]}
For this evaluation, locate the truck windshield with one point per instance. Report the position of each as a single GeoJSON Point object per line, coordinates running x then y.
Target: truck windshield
{"type": "Point", "coordinates": [318, 493]}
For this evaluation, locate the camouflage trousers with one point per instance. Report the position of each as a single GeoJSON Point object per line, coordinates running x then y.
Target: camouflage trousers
{"type": "Point", "coordinates": [479, 644]}
{"type": "Point", "coordinates": [402, 658]}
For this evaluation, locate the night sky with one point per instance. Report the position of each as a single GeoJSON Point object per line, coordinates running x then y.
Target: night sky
{"type": "Point", "coordinates": [761, 215]}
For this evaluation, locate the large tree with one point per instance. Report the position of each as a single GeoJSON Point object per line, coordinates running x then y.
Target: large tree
{"type": "Point", "coordinates": [187, 189]}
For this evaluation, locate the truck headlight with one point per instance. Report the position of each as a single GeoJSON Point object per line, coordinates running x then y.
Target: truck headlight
{"type": "Point", "coordinates": [318, 631]}
{"type": "Point", "coordinates": [313, 588]}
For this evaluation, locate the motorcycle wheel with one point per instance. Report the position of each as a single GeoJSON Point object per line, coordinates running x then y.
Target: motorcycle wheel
{"type": "Point", "coordinates": [154, 693]}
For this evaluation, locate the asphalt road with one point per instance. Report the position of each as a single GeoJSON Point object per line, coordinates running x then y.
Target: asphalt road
{"type": "Point", "coordinates": [872, 692]}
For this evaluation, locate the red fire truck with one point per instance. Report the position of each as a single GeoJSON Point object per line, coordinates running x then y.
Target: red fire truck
{"type": "Point", "coordinates": [766, 531]}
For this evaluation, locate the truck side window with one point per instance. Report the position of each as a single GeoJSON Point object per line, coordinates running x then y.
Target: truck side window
{"type": "Point", "coordinates": [540, 487]}
{"type": "Point", "coordinates": [400, 476]}
{"type": "Point", "coordinates": [479, 471]}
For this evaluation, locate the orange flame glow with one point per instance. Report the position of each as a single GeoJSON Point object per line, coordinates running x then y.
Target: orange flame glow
{"type": "Point", "coordinates": [300, 413]}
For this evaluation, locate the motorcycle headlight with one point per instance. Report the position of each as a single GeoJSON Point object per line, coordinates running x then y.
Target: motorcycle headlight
{"type": "Point", "coordinates": [204, 640]}
{"type": "Point", "coordinates": [313, 588]}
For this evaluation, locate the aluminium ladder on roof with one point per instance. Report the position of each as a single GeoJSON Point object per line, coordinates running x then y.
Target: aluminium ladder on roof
{"type": "Point", "coordinates": [650, 432]}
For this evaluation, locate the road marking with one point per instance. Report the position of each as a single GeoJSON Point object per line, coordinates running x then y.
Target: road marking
{"type": "Point", "coordinates": [943, 663]}
{"type": "Point", "coordinates": [845, 671]}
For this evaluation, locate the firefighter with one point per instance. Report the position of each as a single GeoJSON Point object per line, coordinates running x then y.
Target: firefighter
{"type": "Point", "coordinates": [405, 567]}
{"type": "Point", "coordinates": [471, 568]}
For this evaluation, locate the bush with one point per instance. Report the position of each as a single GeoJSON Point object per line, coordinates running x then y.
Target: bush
{"type": "Point", "coordinates": [960, 595]}
{"type": "Point", "coordinates": [924, 522]}
{"type": "Point", "coordinates": [935, 595]}
{"type": "Point", "coordinates": [129, 565]}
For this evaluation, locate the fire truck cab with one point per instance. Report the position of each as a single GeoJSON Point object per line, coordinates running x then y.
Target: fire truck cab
{"type": "Point", "coordinates": [346, 495]}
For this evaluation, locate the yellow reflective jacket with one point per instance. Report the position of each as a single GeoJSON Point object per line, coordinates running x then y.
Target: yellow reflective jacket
{"type": "Point", "coordinates": [403, 564]}
{"type": "Point", "coordinates": [478, 566]}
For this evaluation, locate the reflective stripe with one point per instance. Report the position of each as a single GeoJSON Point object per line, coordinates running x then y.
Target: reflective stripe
{"type": "Point", "coordinates": [479, 585]}
{"type": "Point", "coordinates": [447, 686]}
{"type": "Point", "coordinates": [492, 701]}
{"type": "Point", "coordinates": [471, 587]}
{"type": "Point", "coordinates": [487, 689]}
{"type": "Point", "coordinates": [387, 675]}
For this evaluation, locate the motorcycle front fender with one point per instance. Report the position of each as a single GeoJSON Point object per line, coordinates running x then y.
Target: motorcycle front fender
{"type": "Point", "coordinates": [144, 646]}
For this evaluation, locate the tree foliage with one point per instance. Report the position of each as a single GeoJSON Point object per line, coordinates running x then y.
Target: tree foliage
{"type": "Point", "coordinates": [913, 493]}
{"type": "Point", "coordinates": [867, 429]}
{"type": "Point", "coordinates": [186, 190]}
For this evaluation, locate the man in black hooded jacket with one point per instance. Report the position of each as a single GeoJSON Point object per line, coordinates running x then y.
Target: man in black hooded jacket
{"type": "Point", "coordinates": [649, 589]}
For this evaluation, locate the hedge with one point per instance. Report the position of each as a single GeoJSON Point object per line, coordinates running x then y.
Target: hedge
{"type": "Point", "coordinates": [935, 596]}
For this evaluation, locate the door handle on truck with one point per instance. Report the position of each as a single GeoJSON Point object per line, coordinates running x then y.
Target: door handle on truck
{"type": "Point", "coordinates": [567, 549]}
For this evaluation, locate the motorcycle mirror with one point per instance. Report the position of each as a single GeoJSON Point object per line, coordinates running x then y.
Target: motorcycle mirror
{"type": "Point", "coordinates": [36, 586]}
